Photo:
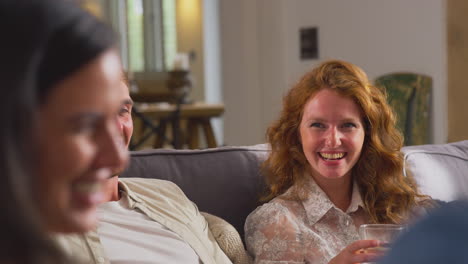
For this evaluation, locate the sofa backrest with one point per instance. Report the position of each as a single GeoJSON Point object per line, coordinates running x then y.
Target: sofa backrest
{"type": "Point", "coordinates": [440, 171]}
{"type": "Point", "coordinates": [224, 181]}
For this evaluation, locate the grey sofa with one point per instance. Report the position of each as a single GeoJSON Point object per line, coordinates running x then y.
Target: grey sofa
{"type": "Point", "coordinates": [226, 181]}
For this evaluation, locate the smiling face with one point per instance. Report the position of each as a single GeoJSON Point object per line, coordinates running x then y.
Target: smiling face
{"type": "Point", "coordinates": [124, 117]}
{"type": "Point", "coordinates": [332, 135]}
{"type": "Point", "coordinates": [125, 126]}
{"type": "Point", "coordinates": [80, 144]}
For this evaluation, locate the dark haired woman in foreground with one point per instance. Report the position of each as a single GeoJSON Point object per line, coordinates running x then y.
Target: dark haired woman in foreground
{"type": "Point", "coordinates": [335, 164]}
{"type": "Point", "coordinates": [59, 138]}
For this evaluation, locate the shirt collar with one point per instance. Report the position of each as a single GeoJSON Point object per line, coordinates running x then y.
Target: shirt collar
{"type": "Point", "coordinates": [127, 194]}
{"type": "Point", "coordinates": [356, 199]}
{"type": "Point", "coordinates": [318, 204]}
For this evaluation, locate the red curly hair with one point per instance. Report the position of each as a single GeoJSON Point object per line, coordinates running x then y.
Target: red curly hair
{"type": "Point", "coordinates": [387, 194]}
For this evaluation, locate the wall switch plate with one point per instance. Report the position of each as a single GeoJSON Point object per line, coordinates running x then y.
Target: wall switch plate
{"type": "Point", "coordinates": [309, 43]}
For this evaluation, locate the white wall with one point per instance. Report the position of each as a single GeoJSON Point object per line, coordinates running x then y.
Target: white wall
{"type": "Point", "coordinates": [240, 70]}
{"type": "Point", "coordinates": [260, 50]}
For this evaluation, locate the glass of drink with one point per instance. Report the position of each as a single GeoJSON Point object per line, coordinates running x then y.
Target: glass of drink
{"type": "Point", "coordinates": [385, 233]}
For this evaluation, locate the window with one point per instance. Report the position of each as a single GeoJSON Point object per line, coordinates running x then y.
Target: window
{"type": "Point", "coordinates": [170, 32]}
{"type": "Point", "coordinates": [135, 36]}
{"type": "Point", "coordinates": [147, 28]}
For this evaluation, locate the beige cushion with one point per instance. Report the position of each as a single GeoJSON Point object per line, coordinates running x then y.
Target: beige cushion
{"type": "Point", "coordinates": [228, 239]}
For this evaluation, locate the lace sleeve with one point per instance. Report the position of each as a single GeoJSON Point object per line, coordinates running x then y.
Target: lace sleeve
{"type": "Point", "coordinates": [272, 235]}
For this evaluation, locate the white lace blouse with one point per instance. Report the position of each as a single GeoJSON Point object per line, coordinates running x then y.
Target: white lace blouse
{"type": "Point", "coordinates": [309, 231]}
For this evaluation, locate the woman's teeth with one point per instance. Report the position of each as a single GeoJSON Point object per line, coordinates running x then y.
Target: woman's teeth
{"type": "Point", "coordinates": [332, 156]}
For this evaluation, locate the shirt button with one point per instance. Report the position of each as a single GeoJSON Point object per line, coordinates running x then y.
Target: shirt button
{"type": "Point", "coordinates": [100, 260]}
{"type": "Point", "coordinates": [347, 222]}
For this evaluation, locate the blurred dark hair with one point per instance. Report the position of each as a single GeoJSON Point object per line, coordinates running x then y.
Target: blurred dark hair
{"type": "Point", "coordinates": [43, 42]}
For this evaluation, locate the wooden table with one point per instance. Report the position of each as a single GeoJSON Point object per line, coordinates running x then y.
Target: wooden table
{"type": "Point", "coordinates": [193, 116]}
{"type": "Point", "coordinates": [152, 96]}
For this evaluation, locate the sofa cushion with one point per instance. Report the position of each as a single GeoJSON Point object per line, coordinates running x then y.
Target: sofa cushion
{"type": "Point", "coordinates": [228, 239]}
{"type": "Point", "coordinates": [440, 171]}
{"type": "Point", "coordinates": [224, 181]}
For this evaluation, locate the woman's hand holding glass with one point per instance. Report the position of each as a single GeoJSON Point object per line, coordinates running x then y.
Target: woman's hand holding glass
{"type": "Point", "coordinates": [356, 253]}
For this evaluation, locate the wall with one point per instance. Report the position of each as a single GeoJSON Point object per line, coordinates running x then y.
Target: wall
{"type": "Point", "coordinates": [212, 58]}
{"type": "Point", "coordinates": [260, 49]}
{"type": "Point", "coordinates": [457, 32]}
{"type": "Point", "coordinates": [240, 70]}
{"type": "Point", "coordinates": [190, 38]}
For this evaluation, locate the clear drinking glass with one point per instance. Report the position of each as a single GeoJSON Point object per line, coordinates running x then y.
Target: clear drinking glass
{"type": "Point", "coordinates": [385, 233]}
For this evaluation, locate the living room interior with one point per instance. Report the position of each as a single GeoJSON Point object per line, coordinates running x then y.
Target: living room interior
{"type": "Point", "coordinates": [245, 54]}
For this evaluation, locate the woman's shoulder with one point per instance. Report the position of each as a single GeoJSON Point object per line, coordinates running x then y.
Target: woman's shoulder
{"type": "Point", "coordinates": [277, 208]}
{"type": "Point", "coordinates": [272, 231]}
{"type": "Point", "coordinates": [272, 207]}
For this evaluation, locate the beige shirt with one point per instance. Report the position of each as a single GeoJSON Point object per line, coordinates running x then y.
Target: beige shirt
{"type": "Point", "coordinates": [309, 231]}
{"type": "Point", "coordinates": [166, 204]}
{"type": "Point", "coordinates": [129, 236]}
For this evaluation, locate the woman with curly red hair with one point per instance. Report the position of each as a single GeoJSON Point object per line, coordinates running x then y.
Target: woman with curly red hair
{"type": "Point", "coordinates": [335, 164]}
